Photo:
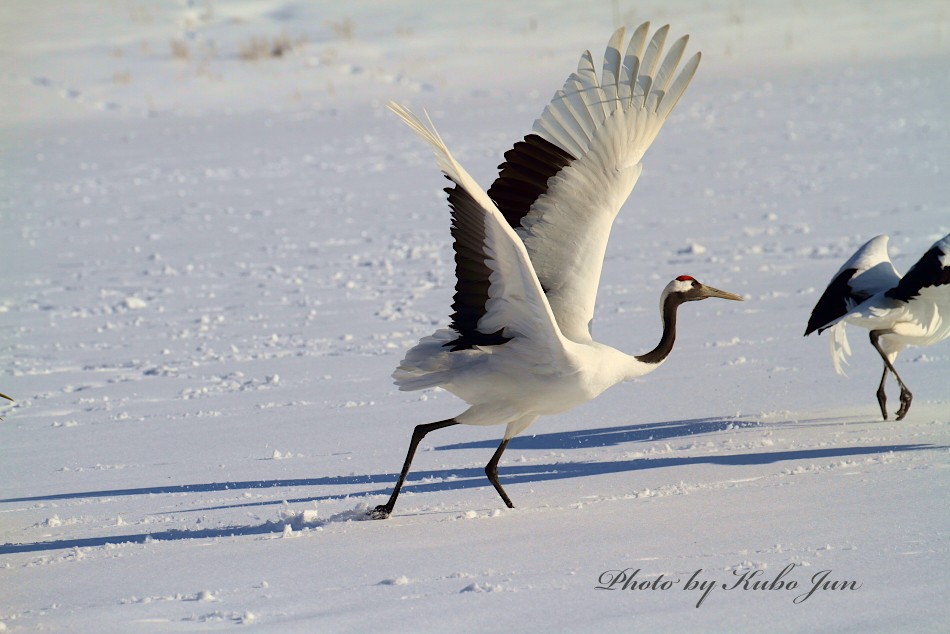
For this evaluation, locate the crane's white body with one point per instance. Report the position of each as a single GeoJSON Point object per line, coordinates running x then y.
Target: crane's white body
{"type": "Point", "coordinates": [544, 272]}
{"type": "Point", "coordinates": [922, 322]}
{"type": "Point", "coordinates": [509, 385]}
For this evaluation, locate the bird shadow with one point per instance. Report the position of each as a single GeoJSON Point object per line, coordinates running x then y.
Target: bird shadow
{"type": "Point", "coordinates": [270, 529]}
{"type": "Point", "coordinates": [425, 481]}
{"type": "Point", "coordinates": [611, 436]}
{"type": "Point", "coordinates": [599, 437]}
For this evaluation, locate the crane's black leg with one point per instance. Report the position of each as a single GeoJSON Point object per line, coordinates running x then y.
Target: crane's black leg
{"type": "Point", "coordinates": [906, 396]}
{"type": "Point", "coordinates": [881, 396]}
{"type": "Point", "coordinates": [491, 470]}
{"type": "Point", "coordinates": [383, 511]}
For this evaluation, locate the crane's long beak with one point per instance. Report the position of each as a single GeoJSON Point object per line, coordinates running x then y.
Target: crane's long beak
{"type": "Point", "coordinates": [709, 291]}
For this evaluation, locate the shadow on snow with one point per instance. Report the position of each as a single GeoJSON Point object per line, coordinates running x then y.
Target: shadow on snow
{"type": "Point", "coordinates": [600, 437]}
{"type": "Point", "coordinates": [453, 479]}
{"type": "Point", "coordinates": [611, 436]}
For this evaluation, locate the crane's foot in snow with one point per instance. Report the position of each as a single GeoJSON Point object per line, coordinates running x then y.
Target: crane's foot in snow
{"type": "Point", "coordinates": [906, 398]}
{"type": "Point", "coordinates": [381, 512]}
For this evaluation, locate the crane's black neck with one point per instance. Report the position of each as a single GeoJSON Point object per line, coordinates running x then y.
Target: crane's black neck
{"type": "Point", "coordinates": [663, 349]}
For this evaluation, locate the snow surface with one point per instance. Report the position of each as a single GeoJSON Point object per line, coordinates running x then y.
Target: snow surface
{"type": "Point", "coordinates": [214, 257]}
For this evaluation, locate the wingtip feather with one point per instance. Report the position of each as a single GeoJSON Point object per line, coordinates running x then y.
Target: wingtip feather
{"type": "Point", "coordinates": [641, 78]}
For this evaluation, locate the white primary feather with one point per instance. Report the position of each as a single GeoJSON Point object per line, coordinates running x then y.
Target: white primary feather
{"type": "Point", "coordinates": [875, 272]}
{"type": "Point", "coordinates": [568, 258]}
{"type": "Point", "coordinates": [607, 125]}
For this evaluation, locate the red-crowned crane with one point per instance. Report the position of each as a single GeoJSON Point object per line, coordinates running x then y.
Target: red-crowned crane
{"type": "Point", "coordinates": [528, 253]}
{"type": "Point", "coordinates": [898, 311]}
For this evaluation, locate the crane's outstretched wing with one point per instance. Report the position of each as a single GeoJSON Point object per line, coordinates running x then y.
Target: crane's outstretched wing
{"type": "Point", "coordinates": [562, 186]}
{"type": "Point", "coordinates": [868, 272]}
{"type": "Point", "coordinates": [498, 297]}
{"type": "Point", "coordinates": [929, 273]}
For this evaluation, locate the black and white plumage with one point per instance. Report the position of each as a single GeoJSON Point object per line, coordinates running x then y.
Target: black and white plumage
{"type": "Point", "coordinates": [529, 251]}
{"type": "Point", "coordinates": [898, 311]}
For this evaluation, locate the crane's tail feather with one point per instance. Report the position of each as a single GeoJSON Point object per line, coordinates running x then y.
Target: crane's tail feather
{"type": "Point", "coordinates": [427, 364]}
{"type": "Point", "coordinates": [640, 79]}
{"type": "Point", "coordinates": [839, 347]}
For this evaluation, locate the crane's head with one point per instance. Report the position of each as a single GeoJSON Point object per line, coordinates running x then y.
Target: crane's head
{"type": "Point", "coordinates": [687, 289]}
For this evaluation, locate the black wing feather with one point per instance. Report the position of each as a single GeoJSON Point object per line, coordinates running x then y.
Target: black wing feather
{"type": "Point", "coordinates": [524, 175]}
{"type": "Point", "coordinates": [835, 302]}
{"type": "Point", "coordinates": [523, 178]}
{"type": "Point", "coordinates": [928, 271]}
{"type": "Point", "coordinates": [471, 273]}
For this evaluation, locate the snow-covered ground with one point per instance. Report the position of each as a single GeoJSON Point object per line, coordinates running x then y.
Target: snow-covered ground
{"type": "Point", "coordinates": [213, 257]}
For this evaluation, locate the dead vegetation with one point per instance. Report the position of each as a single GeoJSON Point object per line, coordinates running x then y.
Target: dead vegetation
{"type": "Point", "coordinates": [258, 48]}
{"type": "Point", "coordinates": [345, 29]}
